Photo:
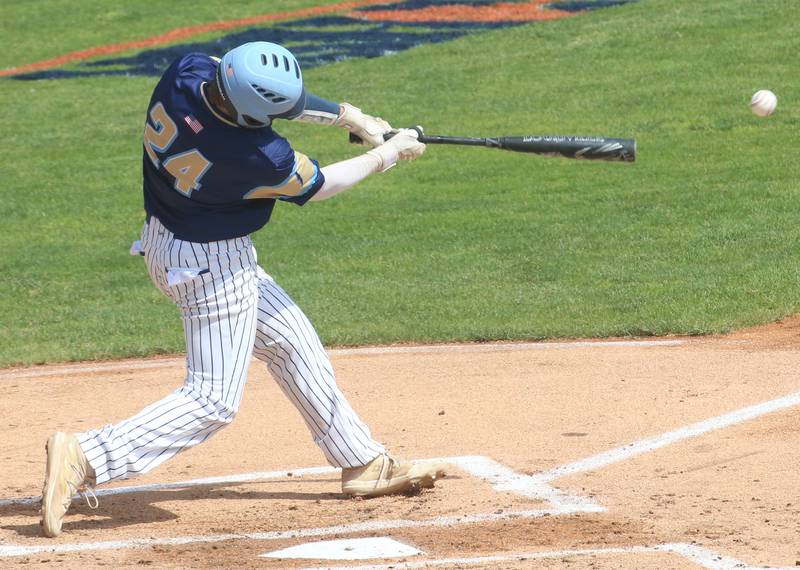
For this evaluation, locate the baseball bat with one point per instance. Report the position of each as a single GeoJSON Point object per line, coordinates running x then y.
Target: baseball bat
{"type": "Point", "coordinates": [576, 147]}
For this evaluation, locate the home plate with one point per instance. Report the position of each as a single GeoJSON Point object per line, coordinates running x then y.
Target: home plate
{"type": "Point", "coordinates": [347, 549]}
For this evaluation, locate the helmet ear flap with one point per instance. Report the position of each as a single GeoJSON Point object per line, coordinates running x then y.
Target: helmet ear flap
{"type": "Point", "coordinates": [224, 99]}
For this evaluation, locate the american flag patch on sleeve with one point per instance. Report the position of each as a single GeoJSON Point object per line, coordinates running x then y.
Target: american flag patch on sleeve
{"type": "Point", "coordinates": [193, 123]}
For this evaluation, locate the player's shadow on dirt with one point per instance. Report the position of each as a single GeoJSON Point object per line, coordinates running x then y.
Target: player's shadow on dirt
{"type": "Point", "coordinates": [118, 511]}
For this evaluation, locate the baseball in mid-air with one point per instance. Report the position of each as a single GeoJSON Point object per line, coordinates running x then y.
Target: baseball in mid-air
{"type": "Point", "coordinates": [763, 103]}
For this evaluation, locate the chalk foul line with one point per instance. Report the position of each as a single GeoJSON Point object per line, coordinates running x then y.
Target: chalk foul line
{"type": "Point", "coordinates": [653, 443]}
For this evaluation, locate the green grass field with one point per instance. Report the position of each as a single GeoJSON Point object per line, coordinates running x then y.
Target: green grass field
{"type": "Point", "coordinates": [699, 236]}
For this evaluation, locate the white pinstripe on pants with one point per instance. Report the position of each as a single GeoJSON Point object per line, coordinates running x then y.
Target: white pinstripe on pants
{"type": "Point", "coordinates": [231, 309]}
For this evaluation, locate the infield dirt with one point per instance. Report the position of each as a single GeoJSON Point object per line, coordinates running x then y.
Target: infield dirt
{"type": "Point", "coordinates": [531, 408]}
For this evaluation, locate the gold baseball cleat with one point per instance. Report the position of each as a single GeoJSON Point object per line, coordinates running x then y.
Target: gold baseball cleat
{"type": "Point", "coordinates": [67, 472]}
{"type": "Point", "coordinates": [386, 476]}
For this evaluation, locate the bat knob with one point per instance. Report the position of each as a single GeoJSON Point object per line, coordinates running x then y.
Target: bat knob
{"type": "Point", "coordinates": [354, 139]}
{"type": "Point", "coordinates": [418, 129]}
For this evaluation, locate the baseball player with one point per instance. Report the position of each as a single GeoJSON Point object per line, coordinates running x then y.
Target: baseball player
{"type": "Point", "coordinates": [213, 170]}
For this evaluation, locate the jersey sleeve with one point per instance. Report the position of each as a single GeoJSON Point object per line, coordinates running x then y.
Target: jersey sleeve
{"type": "Point", "coordinates": [303, 181]}
{"type": "Point", "coordinates": [196, 66]}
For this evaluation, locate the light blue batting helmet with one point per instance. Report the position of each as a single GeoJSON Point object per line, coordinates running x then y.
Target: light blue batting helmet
{"type": "Point", "coordinates": [262, 81]}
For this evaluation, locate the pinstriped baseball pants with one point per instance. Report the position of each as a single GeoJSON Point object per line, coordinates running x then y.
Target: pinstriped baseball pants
{"type": "Point", "coordinates": [231, 309]}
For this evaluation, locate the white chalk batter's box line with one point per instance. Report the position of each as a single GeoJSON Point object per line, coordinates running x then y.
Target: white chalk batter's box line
{"type": "Point", "coordinates": [123, 365]}
{"type": "Point", "coordinates": [691, 552]}
{"type": "Point", "coordinates": [500, 477]}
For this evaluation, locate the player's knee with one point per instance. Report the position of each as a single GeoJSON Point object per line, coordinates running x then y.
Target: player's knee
{"type": "Point", "coordinates": [216, 409]}
{"type": "Point", "coordinates": [295, 342]}
{"type": "Point", "coordinates": [223, 411]}
{"type": "Point", "coordinates": [289, 345]}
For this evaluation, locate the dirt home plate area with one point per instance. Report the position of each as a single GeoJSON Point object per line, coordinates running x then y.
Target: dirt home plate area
{"type": "Point", "coordinates": [659, 453]}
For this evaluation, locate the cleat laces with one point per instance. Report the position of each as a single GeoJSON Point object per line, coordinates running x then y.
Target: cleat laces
{"type": "Point", "coordinates": [83, 489]}
{"type": "Point", "coordinates": [88, 492]}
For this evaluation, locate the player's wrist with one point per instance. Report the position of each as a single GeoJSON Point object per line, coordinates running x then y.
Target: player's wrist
{"type": "Point", "coordinates": [370, 130]}
{"type": "Point", "coordinates": [350, 117]}
{"type": "Point", "coordinates": [387, 155]}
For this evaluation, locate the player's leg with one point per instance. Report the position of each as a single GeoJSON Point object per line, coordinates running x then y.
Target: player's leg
{"type": "Point", "coordinates": [214, 285]}
{"type": "Point", "coordinates": [287, 342]}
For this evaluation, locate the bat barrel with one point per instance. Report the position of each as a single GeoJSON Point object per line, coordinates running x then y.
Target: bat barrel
{"type": "Point", "coordinates": [578, 147]}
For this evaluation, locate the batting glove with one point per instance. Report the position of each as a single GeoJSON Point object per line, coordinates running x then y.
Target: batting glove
{"type": "Point", "coordinates": [366, 127]}
{"type": "Point", "coordinates": [402, 146]}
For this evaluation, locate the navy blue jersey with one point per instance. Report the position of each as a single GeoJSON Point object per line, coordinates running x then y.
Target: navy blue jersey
{"type": "Point", "coordinates": [206, 178]}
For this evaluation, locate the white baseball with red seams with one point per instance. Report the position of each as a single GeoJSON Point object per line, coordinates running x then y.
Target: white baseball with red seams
{"type": "Point", "coordinates": [763, 103]}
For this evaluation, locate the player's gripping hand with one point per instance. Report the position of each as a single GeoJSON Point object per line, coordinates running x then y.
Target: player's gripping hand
{"type": "Point", "coordinates": [366, 127]}
{"type": "Point", "coordinates": [407, 144]}
{"type": "Point", "coordinates": [402, 146]}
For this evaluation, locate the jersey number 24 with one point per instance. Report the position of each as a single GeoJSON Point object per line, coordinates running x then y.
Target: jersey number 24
{"type": "Point", "coordinates": [186, 167]}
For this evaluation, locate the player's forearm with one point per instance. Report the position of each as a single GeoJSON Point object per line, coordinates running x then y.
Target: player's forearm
{"type": "Point", "coordinates": [340, 176]}
{"type": "Point", "coordinates": [370, 130]}
{"type": "Point", "coordinates": [345, 174]}
{"type": "Point", "coordinates": [319, 111]}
